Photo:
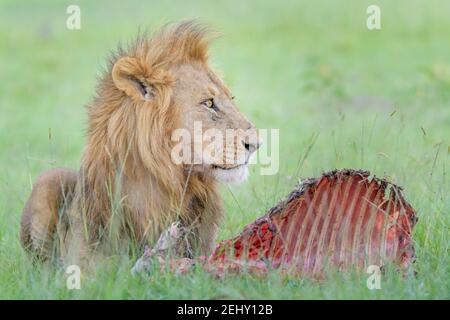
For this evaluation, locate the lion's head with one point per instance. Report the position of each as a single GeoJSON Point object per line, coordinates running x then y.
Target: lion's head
{"type": "Point", "coordinates": [217, 138]}
{"type": "Point", "coordinates": [153, 89]}
{"type": "Point", "coordinates": [168, 76]}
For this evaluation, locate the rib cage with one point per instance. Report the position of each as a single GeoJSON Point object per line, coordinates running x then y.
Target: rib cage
{"type": "Point", "coordinates": [344, 218]}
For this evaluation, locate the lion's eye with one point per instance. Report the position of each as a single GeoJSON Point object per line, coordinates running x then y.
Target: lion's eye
{"type": "Point", "coordinates": [209, 103]}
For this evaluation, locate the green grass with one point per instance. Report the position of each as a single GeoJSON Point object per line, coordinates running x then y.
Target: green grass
{"type": "Point", "coordinates": [378, 100]}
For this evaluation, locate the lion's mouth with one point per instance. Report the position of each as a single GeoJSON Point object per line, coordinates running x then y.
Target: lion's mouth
{"type": "Point", "coordinates": [230, 174]}
{"type": "Point", "coordinates": [216, 167]}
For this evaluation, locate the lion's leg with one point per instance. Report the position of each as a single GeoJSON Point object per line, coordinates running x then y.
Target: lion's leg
{"type": "Point", "coordinates": [40, 217]}
{"type": "Point", "coordinates": [77, 244]}
{"type": "Point", "coordinates": [205, 234]}
{"type": "Point", "coordinates": [206, 224]}
{"type": "Point", "coordinates": [201, 234]}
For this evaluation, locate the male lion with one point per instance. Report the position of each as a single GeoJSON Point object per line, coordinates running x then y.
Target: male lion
{"type": "Point", "coordinates": [129, 189]}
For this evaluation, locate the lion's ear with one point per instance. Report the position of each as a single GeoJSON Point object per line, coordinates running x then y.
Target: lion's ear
{"type": "Point", "coordinates": [129, 76]}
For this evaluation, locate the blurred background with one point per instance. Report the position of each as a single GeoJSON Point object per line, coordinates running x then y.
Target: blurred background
{"type": "Point", "coordinates": [342, 96]}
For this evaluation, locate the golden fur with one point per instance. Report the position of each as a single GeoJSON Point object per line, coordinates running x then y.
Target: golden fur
{"type": "Point", "coordinates": [128, 189]}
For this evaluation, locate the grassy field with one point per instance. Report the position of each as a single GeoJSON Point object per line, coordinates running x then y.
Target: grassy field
{"type": "Point", "coordinates": [353, 98]}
